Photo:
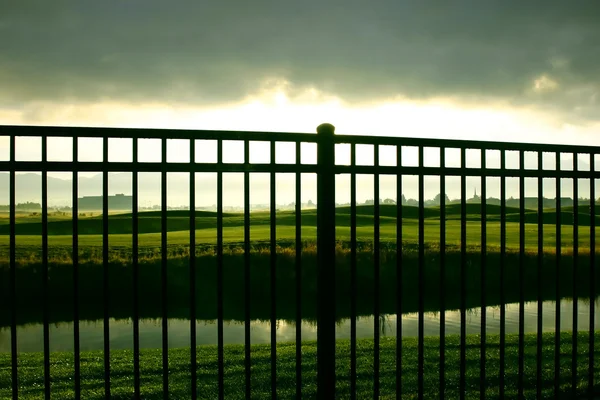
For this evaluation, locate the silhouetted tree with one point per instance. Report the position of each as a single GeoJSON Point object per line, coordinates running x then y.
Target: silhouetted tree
{"type": "Point", "coordinates": [438, 197]}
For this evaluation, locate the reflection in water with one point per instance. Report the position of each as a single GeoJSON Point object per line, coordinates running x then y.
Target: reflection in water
{"type": "Point", "coordinates": [121, 331]}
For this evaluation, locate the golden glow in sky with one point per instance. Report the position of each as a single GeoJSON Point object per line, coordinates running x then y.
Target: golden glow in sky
{"type": "Point", "coordinates": [276, 110]}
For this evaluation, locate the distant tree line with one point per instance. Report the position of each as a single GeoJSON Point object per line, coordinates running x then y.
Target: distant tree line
{"type": "Point", "coordinates": [530, 202]}
{"type": "Point", "coordinates": [29, 206]}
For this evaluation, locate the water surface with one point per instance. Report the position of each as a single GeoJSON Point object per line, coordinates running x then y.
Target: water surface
{"type": "Point", "coordinates": [29, 337]}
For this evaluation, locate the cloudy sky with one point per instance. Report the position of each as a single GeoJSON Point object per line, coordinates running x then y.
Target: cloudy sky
{"type": "Point", "coordinates": [466, 68]}
{"type": "Point", "coordinates": [489, 70]}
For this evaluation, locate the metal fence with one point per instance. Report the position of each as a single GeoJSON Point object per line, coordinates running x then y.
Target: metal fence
{"type": "Point", "coordinates": [326, 170]}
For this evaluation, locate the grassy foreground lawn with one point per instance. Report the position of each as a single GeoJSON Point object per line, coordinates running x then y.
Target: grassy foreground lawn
{"type": "Point", "coordinates": [31, 370]}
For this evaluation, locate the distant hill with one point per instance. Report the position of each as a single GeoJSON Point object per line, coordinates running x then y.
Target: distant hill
{"type": "Point", "coordinates": [150, 222]}
{"type": "Point", "coordinates": [29, 186]}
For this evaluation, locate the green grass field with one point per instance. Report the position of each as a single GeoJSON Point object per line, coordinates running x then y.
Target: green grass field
{"type": "Point", "coordinates": [120, 227]}
{"type": "Point", "coordinates": [92, 370]}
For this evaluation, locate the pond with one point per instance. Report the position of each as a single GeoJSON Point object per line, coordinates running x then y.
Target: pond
{"type": "Point", "coordinates": [121, 331]}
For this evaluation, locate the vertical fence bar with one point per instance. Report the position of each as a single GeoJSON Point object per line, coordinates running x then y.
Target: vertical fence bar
{"type": "Point", "coordinates": [13, 270]}
{"type": "Point", "coordinates": [376, 272]}
{"type": "Point", "coordinates": [442, 272]}
{"type": "Point", "coordinates": [45, 270]}
{"type": "Point", "coordinates": [273, 259]}
{"type": "Point", "coordinates": [298, 208]}
{"type": "Point", "coordinates": [421, 283]}
{"type": "Point", "coordinates": [575, 268]}
{"type": "Point", "coordinates": [399, 293]}
{"type": "Point", "coordinates": [75, 257]}
{"type": "Point", "coordinates": [463, 271]}
{"type": "Point", "coordinates": [502, 265]}
{"type": "Point", "coordinates": [540, 267]}
{"type": "Point", "coordinates": [353, 273]}
{"type": "Point", "coordinates": [592, 321]}
{"type": "Point", "coordinates": [521, 350]}
{"type": "Point", "coordinates": [193, 356]}
{"type": "Point", "coordinates": [326, 262]}
{"type": "Point", "coordinates": [163, 270]}
{"type": "Point", "coordinates": [558, 251]}
{"type": "Point", "coordinates": [247, 359]}
{"type": "Point", "coordinates": [482, 378]}
{"type": "Point", "coordinates": [220, 361]}
{"type": "Point", "coordinates": [136, 271]}
{"type": "Point", "coordinates": [105, 262]}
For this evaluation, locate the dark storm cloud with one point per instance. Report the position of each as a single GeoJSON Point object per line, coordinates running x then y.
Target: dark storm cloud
{"type": "Point", "coordinates": [201, 52]}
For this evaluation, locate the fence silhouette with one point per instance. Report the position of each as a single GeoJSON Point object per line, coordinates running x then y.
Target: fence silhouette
{"type": "Point", "coordinates": [326, 170]}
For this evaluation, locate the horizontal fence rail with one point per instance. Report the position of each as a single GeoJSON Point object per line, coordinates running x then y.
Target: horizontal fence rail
{"type": "Point", "coordinates": [522, 251]}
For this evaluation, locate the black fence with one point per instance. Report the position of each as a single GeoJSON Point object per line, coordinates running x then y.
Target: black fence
{"type": "Point", "coordinates": [326, 168]}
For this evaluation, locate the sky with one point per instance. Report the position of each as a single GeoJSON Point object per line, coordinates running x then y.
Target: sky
{"type": "Point", "coordinates": [501, 70]}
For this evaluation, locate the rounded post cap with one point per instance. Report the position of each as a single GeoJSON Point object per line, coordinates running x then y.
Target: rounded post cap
{"type": "Point", "coordinates": [325, 129]}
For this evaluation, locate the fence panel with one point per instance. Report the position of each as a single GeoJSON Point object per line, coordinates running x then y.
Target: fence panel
{"type": "Point", "coordinates": [522, 251]}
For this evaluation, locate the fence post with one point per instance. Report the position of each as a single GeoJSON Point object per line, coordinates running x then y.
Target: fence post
{"type": "Point", "coordinates": [326, 262]}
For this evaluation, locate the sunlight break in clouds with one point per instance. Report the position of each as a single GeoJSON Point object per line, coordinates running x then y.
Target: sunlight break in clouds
{"type": "Point", "coordinates": [273, 109]}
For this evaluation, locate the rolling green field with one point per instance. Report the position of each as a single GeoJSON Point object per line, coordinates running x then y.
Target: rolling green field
{"type": "Point", "coordinates": [120, 227]}
{"type": "Point", "coordinates": [92, 370]}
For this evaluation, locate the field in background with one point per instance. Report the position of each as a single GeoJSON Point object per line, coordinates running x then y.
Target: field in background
{"type": "Point", "coordinates": [544, 270]}
{"type": "Point", "coordinates": [120, 227]}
